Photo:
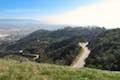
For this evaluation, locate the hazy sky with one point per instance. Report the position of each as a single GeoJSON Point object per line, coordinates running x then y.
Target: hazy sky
{"type": "Point", "coordinates": [72, 12]}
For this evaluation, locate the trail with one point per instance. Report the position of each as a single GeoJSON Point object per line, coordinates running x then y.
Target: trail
{"type": "Point", "coordinates": [79, 62]}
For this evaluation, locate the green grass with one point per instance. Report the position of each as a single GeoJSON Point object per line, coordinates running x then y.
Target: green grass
{"type": "Point", "coordinates": [14, 70]}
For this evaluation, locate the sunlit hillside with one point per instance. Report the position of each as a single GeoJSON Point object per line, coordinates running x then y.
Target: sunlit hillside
{"type": "Point", "coordinates": [14, 70]}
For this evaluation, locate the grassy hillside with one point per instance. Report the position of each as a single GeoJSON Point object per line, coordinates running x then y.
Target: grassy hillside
{"type": "Point", "coordinates": [13, 70]}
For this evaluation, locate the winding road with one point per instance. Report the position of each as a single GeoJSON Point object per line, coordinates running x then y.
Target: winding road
{"type": "Point", "coordinates": [79, 62]}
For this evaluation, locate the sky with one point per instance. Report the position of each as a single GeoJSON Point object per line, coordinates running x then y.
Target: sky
{"type": "Point", "coordinates": [37, 8]}
{"type": "Point", "coordinates": [66, 12]}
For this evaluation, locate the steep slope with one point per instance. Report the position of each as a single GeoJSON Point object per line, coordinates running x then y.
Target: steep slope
{"type": "Point", "coordinates": [106, 51]}
{"type": "Point", "coordinates": [13, 70]}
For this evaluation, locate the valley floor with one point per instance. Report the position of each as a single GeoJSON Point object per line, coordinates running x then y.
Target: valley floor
{"type": "Point", "coordinates": [14, 70]}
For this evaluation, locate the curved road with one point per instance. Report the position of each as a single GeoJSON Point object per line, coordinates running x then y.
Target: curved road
{"type": "Point", "coordinates": [79, 62]}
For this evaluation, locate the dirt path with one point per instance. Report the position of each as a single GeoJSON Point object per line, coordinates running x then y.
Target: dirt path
{"type": "Point", "coordinates": [79, 62]}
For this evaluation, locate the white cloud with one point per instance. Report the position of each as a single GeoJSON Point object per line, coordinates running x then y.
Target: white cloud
{"type": "Point", "coordinates": [105, 13]}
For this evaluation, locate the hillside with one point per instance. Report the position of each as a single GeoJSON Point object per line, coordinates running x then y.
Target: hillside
{"type": "Point", "coordinates": [105, 54]}
{"type": "Point", "coordinates": [46, 36]}
{"type": "Point", "coordinates": [61, 46]}
{"type": "Point", "coordinates": [13, 70]}
{"type": "Point", "coordinates": [58, 47]}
